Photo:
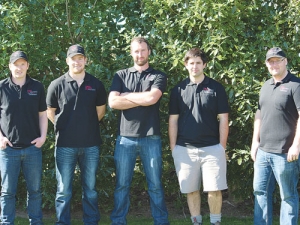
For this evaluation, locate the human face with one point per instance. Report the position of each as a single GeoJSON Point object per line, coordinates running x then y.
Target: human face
{"type": "Point", "coordinates": [19, 69]}
{"type": "Point", "coordinates": [195, 66]}
{"type": "Point", "coordinates": [140, 53]}
{"type": "Point", "coordinates": [277, 66]}
{"type": "Point", "coordinates": [76, 64]}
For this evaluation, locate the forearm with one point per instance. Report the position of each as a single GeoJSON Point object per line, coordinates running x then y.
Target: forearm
{"type": "Point", "coordinates": [223, 129]}
{"type": "Point", "coordinates": [51, 114]}
{"type": "Point", "coordinates": [120, 103]}
{"type": "Point", "coordinates": [140, 98]}
{"type": "Point", "coordinates": [296, 141]}
{"type": "Point", "coordinates": [256, 128]}
{"type": "Point", "coordinates": [100, 111]}
{"type": "Point", "coordinates": [173, 131]}
{"type": "Point", "coordinates": [43, 123]}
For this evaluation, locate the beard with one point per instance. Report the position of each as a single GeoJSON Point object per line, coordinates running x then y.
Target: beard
{"type": "Point", "coordinates": [141, 62]}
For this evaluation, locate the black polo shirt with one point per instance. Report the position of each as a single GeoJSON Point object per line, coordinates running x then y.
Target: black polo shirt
{"type": "Point", "coordinates": [140, 121]}
{"type": "Point", "coordinates": [76, 120]}
{"type": "Point", "coordinates": [198, 106]}
{"type": "Point", "coordinates": [279, 105]}
{"type": "Point", "coordinates": [20, 107]}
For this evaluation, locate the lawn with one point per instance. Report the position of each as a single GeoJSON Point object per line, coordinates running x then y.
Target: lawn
{"type": "Point", "coordinates": [148, 221]}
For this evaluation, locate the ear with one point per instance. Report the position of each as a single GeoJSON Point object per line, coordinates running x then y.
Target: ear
{"type": "Point", "coordinates": [149, 52]}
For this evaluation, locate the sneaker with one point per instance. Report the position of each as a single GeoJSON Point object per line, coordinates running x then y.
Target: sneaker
{"type": "Point", "coordinates": [217, 223]}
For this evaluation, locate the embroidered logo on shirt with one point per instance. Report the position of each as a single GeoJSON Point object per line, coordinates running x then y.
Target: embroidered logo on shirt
{"type": "Point", "coordinates": [89, 88]}
{"type": "Point", "coordinates": [31, 92]}
{"type": "Point", "coordinates": [284, 89]}
{"type": "Point", "coordinates": [207, 90]}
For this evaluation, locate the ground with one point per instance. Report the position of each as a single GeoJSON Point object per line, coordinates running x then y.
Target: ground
{"type": "Point", "coordinates": [176, 210]}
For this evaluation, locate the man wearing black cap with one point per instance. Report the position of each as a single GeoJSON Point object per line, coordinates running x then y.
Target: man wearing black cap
{"type": "Point", "coordinates": [23, 130]}
{"type": "Point", "coordinates": [76, 103]}
{"type": "Point", "coordinates": [276, 142]}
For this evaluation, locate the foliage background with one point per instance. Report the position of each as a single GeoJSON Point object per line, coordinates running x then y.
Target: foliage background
{"type": "Point", "coordinates": [235, 33]}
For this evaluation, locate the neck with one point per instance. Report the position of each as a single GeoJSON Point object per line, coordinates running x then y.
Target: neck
{"type": "Point", "coordinates": [141, 68]}
{"type": "Point", "coordinates": [197, 80]}
{"type": "Point", "coordinates": [77, 76]}
{"type": "Point", "coordinates": [279, 78]}
{"type": "Point", "coordinates": [19, 82]}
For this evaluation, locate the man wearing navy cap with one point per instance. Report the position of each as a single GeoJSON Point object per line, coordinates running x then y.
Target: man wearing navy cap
{"type": "Point", "coordinates": [76, 103]}
{"type": "Point", "coordinates": [23, 130]}
{"type": "Point", "coordinates": [276, 142]}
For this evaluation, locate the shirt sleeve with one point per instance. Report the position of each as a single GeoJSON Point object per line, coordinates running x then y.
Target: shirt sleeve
{"type": "Point", "coordinates": [173, 102]}
{"type": "Point", "coordinates": [296, 97]}
{"type": "Point", "coordinates": [101, 94]}
{"type": "Point", "coordinates": [223, 106]}
{"type": "Point", "coordinates": [160, 82]}
{"type": "Point", "coordinates": [42, 103]}
{"type": "Point", "coordinates": [51, 98]}
{"type": "Point", "coordinates": [116, 84]}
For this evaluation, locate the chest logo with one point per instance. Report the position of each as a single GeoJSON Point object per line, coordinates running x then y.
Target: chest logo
{"type": "Point", "coordinates": [283, 88]}
{"type": "Point", "coordinates": [32, 93]}
{"type": "Point", "coordinates": [207, 90]}
{"type": "Point", "coordinates": [89, 88]}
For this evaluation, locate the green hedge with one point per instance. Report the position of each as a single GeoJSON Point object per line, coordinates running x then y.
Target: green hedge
{"type": "Point", "coordinates": [235, 33]}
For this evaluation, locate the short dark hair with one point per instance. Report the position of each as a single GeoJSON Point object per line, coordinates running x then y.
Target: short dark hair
{"type": "Point", "coordinates": [195, 52]}
{"type": "Point", "coordinates": [140, 40]}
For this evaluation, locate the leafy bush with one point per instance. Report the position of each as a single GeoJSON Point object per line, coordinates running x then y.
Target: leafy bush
{"type": "Point", "coordinates": [235, 33]}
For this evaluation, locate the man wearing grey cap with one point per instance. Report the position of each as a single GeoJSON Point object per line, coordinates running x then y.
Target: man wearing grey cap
{"type": "Point", "coordinates": [23, 130]}
{"type": "Point", "coordinates": [276, 142]}
{"type": "Point", "coordinates": [76, 103]}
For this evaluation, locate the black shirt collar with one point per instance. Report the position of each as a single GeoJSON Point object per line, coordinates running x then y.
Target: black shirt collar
{"type": "Point", "coordinates": [134, 70]}
{"type": "Point", "coordinates": [70, 79]}
{"type": "Point", "coordinates": [26, 82]}
{"type": "Point", "coordinates": [284, 80]}
{"type": "Point", "coordinates": [205, 81]}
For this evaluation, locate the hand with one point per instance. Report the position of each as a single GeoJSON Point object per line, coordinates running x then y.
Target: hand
{"type": "Point", "coordinates": [38, 142]}
{"type": "Point", "coordinates": [226, 155]}
{"type": "Point", "coordinates": [4, 142]}
{"type": "Point", "coordinates": [293, 154]}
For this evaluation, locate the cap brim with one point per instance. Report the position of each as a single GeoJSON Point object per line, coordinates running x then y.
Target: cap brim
{"type": "Point", "coordinates": [73, 54]}
{"type": "Point", "coordinates": [274, 56]}
{"type": "Point", "coordinates": [14, 60]}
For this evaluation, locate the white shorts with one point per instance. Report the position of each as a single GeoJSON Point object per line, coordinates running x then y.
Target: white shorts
{"type": "Point", "coordinates": [196, 164]}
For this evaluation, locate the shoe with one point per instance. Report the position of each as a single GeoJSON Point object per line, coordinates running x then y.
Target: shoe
{"type": "Point", "coordinates": [217, 223]}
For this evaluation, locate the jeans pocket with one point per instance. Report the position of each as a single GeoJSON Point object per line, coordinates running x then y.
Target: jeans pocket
{"type": "Point", "coordinates": [154, 137]}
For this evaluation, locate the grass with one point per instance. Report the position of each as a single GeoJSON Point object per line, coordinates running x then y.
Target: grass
{"type": "Point", "coordinates": [148, 221]}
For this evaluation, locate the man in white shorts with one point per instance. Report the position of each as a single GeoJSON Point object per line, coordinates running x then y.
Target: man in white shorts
{"type": "Point", "coordinates": [198, 131]}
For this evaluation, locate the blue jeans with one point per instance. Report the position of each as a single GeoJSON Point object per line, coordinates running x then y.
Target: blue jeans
{"type": "Point", "coordinates": [11, 162]}
{"type": "Point", "coordinates": [65, 162]}
{"type": "Point", "coordinates": [150, 152]}
{"type": "Point", "coordinates": [268, 168]}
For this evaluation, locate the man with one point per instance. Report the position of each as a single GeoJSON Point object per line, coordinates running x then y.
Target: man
{"type": "Point", "coordinates": [76, 103]}
{"type": "Point", "coordinates": [275, 143]}
{"type": "Point", "coordinates": [136, 91]}
{"type": "Point", "coordinates": [198, 130]}
{"type": "Point", "coordinates": [23, 125]}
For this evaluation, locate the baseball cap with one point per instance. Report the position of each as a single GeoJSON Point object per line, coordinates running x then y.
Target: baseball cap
{"type": "Point", "coordinates": [75, 50]}
{"type": "Point", "coordinates": [275, 52]}
{"type": "Point", "coordinates": [17, 55]}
